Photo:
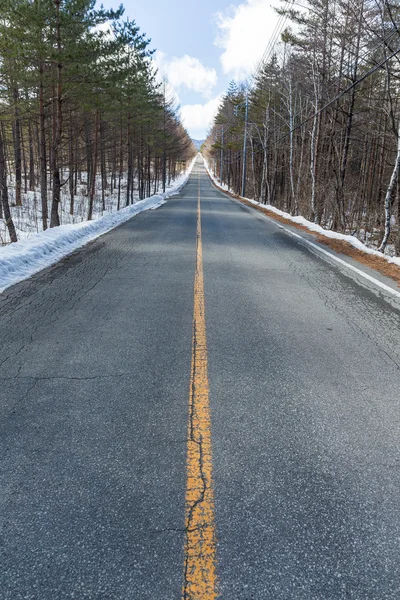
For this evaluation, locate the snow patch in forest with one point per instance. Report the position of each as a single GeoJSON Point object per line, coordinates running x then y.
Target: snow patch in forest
{"type": "Point", "coordinates": [26, 257]}
{"type": "Point", "coordinates": [356, 243]}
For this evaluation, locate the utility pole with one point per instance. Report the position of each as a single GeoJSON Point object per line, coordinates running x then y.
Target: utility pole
{"type": "Point", "coordinates": [245, 146]}
{"type": "Point", "coordinates": [221, 170]}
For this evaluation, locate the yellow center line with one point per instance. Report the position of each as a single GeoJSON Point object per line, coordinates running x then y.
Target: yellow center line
{"type": "Point", "coordinates": [200, 581]}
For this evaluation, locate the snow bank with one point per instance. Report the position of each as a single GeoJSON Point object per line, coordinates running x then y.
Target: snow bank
{"type": "Point", "coordinates": [312, 226]}
{"type": "Point", "coordinates": [28, 256]}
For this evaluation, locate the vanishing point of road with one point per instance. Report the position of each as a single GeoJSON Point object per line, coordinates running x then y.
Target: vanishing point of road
{"type": "Point", "coordinates": [198, 405]}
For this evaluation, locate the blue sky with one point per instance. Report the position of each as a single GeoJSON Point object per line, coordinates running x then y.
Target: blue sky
{"type": "Point", "coordinates": [203, 45]}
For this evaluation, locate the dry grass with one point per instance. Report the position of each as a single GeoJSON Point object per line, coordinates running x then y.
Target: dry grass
{"type": "Point", "coordinates": [369, 260]}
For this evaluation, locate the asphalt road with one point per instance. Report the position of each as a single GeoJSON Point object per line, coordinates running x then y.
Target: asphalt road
{"type": "Point", "coordinates": [304, 392]}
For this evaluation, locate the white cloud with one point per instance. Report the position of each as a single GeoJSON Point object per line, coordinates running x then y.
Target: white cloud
{"type": "Point", "coordinates": [187, 72]}
{"type": "Point", "coordinates": [197, 118]}
{"type": "Point", "coordinates": [244, 34]}
{"type": "Point", "coordinates": [161, 78]}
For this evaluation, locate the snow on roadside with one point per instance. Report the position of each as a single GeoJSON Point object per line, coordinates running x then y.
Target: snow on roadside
{"type": "Point", "coordinates": [356, 243]}
{"type": "Point", "coordinates": [26, 257]}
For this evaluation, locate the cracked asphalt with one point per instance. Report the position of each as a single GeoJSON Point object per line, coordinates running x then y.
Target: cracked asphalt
{"type": "Point", "coordinates": [304, 376]}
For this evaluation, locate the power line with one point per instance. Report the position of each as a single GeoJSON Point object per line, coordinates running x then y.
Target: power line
{"type": "Point", "coordinates": [364, 55]}
{"type": "Point", "coordinates": [270, 47]}
{"type": "Point", "coordinates": [346, 91]}
{"type": "Point", "coordinates": [273, 39]}
{"type": "Point", "coordinates": [279, 28]}
{"type": "Point", "coordinates": [338, 97]}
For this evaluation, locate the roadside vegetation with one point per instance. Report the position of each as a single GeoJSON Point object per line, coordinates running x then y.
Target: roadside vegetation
{"type": "Point", "coordinates": [85, 127]}
{"type": "Point", "coordinates": [323, 120]}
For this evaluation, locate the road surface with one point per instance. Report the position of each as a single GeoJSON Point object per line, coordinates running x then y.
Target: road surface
{"type": "Point", "coordinates": [114, 414]}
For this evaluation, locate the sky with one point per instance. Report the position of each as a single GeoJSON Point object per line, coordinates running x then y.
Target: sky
{"type": "Point", "coordinates": [201, 46]}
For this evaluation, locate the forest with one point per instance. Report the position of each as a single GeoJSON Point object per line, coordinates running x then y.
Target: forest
{"type": "Point", "coordinates": [316, 131]}
{"type": "Point", "coordinates": [86, 126]}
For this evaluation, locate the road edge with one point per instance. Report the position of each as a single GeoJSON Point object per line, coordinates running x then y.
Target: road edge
{"type": "Point", "coordinates": [339, 258]}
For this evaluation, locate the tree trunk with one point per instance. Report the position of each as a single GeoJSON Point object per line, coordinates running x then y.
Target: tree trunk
{"type": "Point", "coordinates": [55, 218]}
{"type": "Point", "coordinates": [129, 153]}
{"type": "Point", "coordinates": [94, 169]}
{"type": "Point", "coordinates": [389, 195]}
{"type": "Point", "coordinates": [71, 168]}
{"type": "Point", "coordinates": [42, 144]}
{"type": "Point", "coordinates": [102, 166]}
{"type": "Point", "coordinates": [293, 208]}
{"type": "Point", "coordinates": [31, 160]}
{"type": "Point", "coordinates": [17, 149]}
{"type": "Point", "coordinates": [121, 165]}
{"type": "Point", "coordinates": [4, 193]}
